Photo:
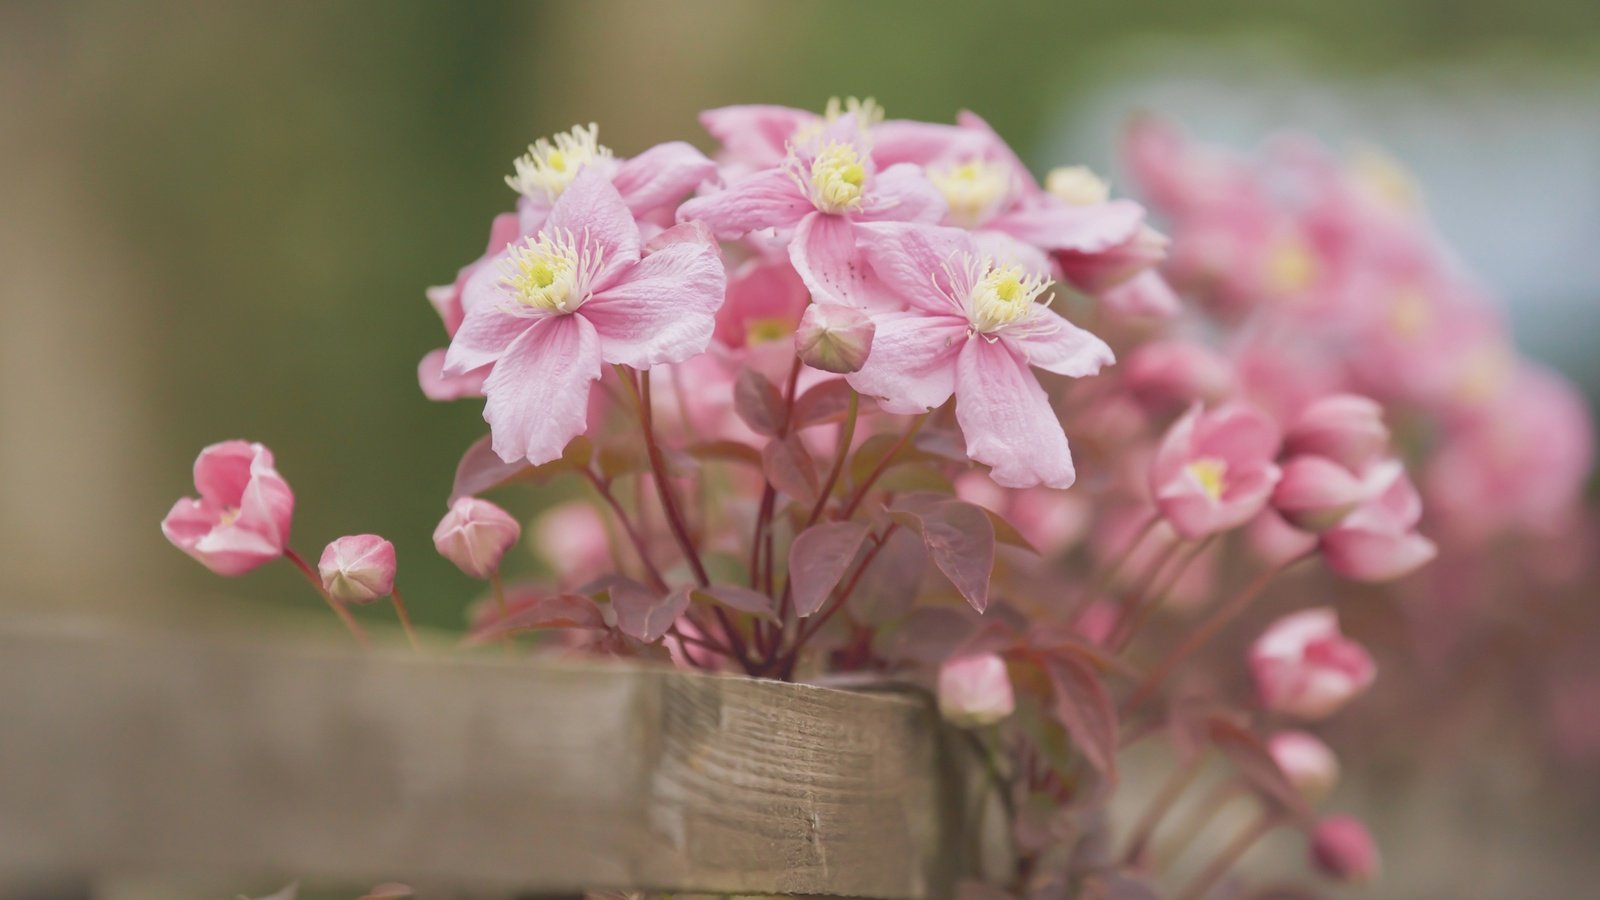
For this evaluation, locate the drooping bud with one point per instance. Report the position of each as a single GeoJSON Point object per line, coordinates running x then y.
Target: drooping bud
{"type": "Point", "coordinates": [474, 535]}
{"type": "Point", "coordinates": [1315, 492]}
{"type": "Point", "coordinates": [834, 338]}
{"type": "Point", "coordinates": [1305, 667]}
{"type": "Point", "coordinates": [975, 691]}
{"type": "Point", "coordinates": [1343, 849]}
{"type": "Point", "coordinates": [358, 568]}
{"type": "Point", "coordinates": [1307, 762]}
{"type": "Point", "coordinates": [1346, 428]}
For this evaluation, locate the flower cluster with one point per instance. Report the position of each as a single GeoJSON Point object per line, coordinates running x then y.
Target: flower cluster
{"type": "Point", "coordinates": [819, 388]}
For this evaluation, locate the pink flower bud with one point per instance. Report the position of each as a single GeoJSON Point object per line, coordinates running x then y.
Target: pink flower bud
{"type": "Point", "coordinates": [1304, 666]}
{"type": "Point", "coordinates": [241, 520]}
{"type": "Point", "coordinates": [1346, 428]}
{"type": "Point", "coordinates": [572, 538]}
{"type": "Point", "coordinates": [1175, 373]}
{"type": "Point", "coordinates": [1307, 762]}
{"type": "Point", "coordinates": [834, 338]}
{"type": "Point", "coordinates": [975, 691]}
{"type": "Point", "coordinates": [474, 534]}
{"type": "Point", "coordinates": [1343, 849]}
{"type": "Point", "coordinates": [358, 568]}
{"type": "Point", "coordinates": [1379, 540]}
{"type": "Point", "coordinates": [1213, 471]}
{"type": "Point", "coordinates": [1316, 493]}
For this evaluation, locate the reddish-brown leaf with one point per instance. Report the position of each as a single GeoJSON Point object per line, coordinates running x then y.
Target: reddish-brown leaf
{"type": "Point", "coordinates": [823, 403]}
{"type": "Point", "coordinates": [788, 465]}
{"type": "Point", "coordinates": [818, 559]}
{"type": "Point", "coordinates": [1084, 708]}
{"type": "Point", "coordinates": [644, 614]}
{"type": "Point", "coordinates": [758, 403]}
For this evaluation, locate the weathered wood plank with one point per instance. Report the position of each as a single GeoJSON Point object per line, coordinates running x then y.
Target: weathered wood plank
{"type": "Point", "coordinates": [122, 751]}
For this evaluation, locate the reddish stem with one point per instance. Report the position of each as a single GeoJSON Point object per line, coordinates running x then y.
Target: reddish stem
{"type": "Point", "coordinates": [404, 616]}
{"type": "Point", "coordinates": [338, 608]}
{"type": "Point", "coordinates": [604, 490]}
{"type": "Point", "coordinates": [658, 469]}
{"type": "Point", "coordinates": [1229, 857]}
{"type": "Point", "coordinates": [882, 466]}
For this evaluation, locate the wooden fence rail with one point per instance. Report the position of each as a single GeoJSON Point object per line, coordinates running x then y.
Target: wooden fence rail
{"type": "Point", "coordinates": [140, 752]}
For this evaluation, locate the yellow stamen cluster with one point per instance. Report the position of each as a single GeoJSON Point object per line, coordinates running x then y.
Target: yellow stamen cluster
{"type": "Point", "coordinates": [1211, 474]}
{"type": "Point", "coordinates": [1484, 373]}
{"type": "Point", "coordinates": [972, 189]}
{"type": "Point", "coordinates": [1291, 267]}
{"type": "Point", "coordinates": [1077, 185]}
{"type": "Point", "coordinates": [1386, 179]}
{"type": "Point", "coordinates": [550, 165]}
{"type": "Point", "coordinates": [1410, 313]}
{"type": "Point", "coordinates": [229, 516]}
{"type": "Point", "coordinates": [1003, 295]}
{"type": "Point", "coordinates": [867, 112]}
{"type": "Point", "coordinates": [837, 178]}
{"type": "Point", "coordinates": [548, 273]}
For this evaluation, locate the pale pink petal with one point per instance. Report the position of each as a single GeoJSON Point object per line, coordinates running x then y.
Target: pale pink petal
{"type": "Point", "coordinates": [1007, 420]}
{"type": "Point", "coordinates": [663, 309]}
{"type": "Point", "coordinates": [592, 212]}
{"type": "Point", "coordinates": [438, 386]}
{"type": "Point", "coordinates": [1005, 249]}
{"type": "Point", "coordinates": [769, 198]}
{"type": "Point", "coordinates": [539, 390]}
{"type": "Point", "coordinates": [911, 368]}
{"type": "Point", "coordinates": [1054, 225]}
{"type": "Point", "coordinates": [222, 471]}
{"type": "Point", "coordinates": [997, 147]}
{"type": "Point", "coordinates": [661, 176]}
{"type": "Point", "coordinates": [902, 193]}
{"type": "Point", "coordinates": [915, 262]}
{"type": "Point", "coordinates": [824, 252]}
{"type": "Point", "coordinates": [1052, 343]}
{"type": "Point", "coordinates": [1145, 294]}
{"type": "Point", "coordinates": [756, 134]}
{"type": "Point", "coordinates": [484, 335]}
{"type": "Point", "coordinates": [908, 141]}
{"type": "Point", "coordinates": [188, 521]}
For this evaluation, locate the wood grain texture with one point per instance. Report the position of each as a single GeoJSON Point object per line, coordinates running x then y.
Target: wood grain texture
{"type": "Point", "coordinates": [144, 752]}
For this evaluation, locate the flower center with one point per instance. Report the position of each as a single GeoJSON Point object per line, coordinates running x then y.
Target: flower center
{"type": "Point", "coordinates": [1409, 312]}
{"type": "Point", "coordinates": [766, 330]}
{"type": "Point", "coordinates": [1003, 295]}
{"type": "Point", "coordinates": [1077, 186]}
{"type": "Point", "coordinates": [230, 515]}
{"type": "Point", "coordinates": [1291, 267]}
{"type": "Point", "coordinates": [1211, 474]}
{"type": "Point", "coordinates": [550, 272]}
{"type": "Point", "coordinates": [972, 189]}
{"type": "Point", "coordinates": [837, 177]}
{"type": "Point", "coordinates": [550, 165]}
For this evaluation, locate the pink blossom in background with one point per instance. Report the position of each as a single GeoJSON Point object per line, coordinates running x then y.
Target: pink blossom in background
{"type": "Point", "coordinates": [973, 328]}
{"type": "Point", "coordinates": [1214, 469]}
{"type": "Point", "coordinates": [649, 184]}
{"type": "Point", "coordinates": [825, 185]}
{"type": "Point", "coordinates": [241, 519]}
{"type": "Point", "coordinates": [1305, 667]}
{"type": "Point", "coordinates": [1346, 428]}
{"type": "Point", "coordinates": [1317, 493]}
{"type": "Point", "coordinates": [975, 691]}
{"type": "Point", "coordinates": [358, 568]}
{"type": "Point", "coordinates": [551, 311]}
{"type": "Point", "coordinates": [1174, 373]}
{"type": "Point", "coordinates": [1378, 541]}
{"type": "Point", "coordinates": [1306, 761]}
{"type": "Point", "coordinates": [474, 535]}
{"type": "Point", "coordinates": [572, 538]}
{"type": "Point", "coordinates": [1050, 521]}
{"type": "Point", "coordinates": [1343, 850]}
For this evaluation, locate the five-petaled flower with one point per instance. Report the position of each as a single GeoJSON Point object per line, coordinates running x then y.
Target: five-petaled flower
{"type": "Point", "coordinates": [241, 519]}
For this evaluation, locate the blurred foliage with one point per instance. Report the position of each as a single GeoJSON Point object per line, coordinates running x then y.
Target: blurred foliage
{"type": "Point", "coordinates": [289, 176]}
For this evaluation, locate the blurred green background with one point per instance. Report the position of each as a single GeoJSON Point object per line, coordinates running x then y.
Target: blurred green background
{"type": "Point", "coordinates": [219, 218]}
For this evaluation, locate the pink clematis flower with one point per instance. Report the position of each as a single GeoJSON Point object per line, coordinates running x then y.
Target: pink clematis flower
{"type": "Point", "coordinates": [975, 691]}
{"type": "Point", "coordinates": [826, 185]}
{"type": "Point", "coordinates": [1346, 428]}
{"type": "Point", "coordinates": [241, 521]}
{"type": "Point", "coordinates": [552, 309]}
{"type": "Point", "coordinates": [1304, 667]}
{"type": "Point", "coordinates": [1316, 493]}
{"type": "Point", "coordinates": [650, 184]}
{"type": "Point", "coordinates": [358, 568]}
{"type": "Point", "coordinates": [973, 328]}
{"type": "Point", "coordinates": [1378, 541]}
{"type": "Point", "coordinates": [1214, 469]}
{"type": "Point", "coordinates": [446, 301]}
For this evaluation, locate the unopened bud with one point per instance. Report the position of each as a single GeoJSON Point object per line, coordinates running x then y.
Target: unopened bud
{"type": "Point", "coordinates": [834, 338]}
{"type": "Point", "coordinates": [975, 691]}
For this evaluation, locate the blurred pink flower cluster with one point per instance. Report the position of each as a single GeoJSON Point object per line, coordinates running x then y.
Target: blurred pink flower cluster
{"type": "Point", "coordinates": [818, 391]}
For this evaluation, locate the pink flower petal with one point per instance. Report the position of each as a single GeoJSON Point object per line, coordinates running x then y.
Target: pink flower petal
{"type": "Point", "coordinates": [539, 390]}
{"type": "Point", "coordinates": [911, 368]}
{"type": "Point", "coordinates": [824, 252]}
{"type": "Point", "coordinates": [754, 133]}
{"type": "Point", "coordinates": [663, 310]}
{"type": "Point", "coordinates": [1052, 343]}
{"type": "Point", "coordinates": [1007, 420]}
{"type": "Point", "coordinates": [592, 211]}
{"type": "Point", "coordinates": [661, 176]}
{"type": "Point", "coordinates": [902, 193]}
{"type": "Point", "coordinates": [486, 333]}
{"type": "Point", "coordinates": [769, 198]}
{"type": "Point", "coordinates": [915, 262]}
{"type": "Point", "coordinates": [1054, 225]}
{"type": "Point", "coordinates": [222, 471]}
{"type": "Point", "coordinates": [438, 386]}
